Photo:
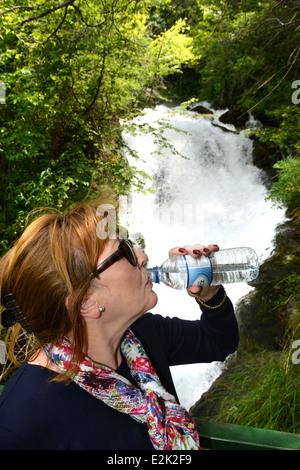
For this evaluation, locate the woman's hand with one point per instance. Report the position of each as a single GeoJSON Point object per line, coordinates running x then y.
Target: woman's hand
{"type": "Point", "coordinates": [204, 293]}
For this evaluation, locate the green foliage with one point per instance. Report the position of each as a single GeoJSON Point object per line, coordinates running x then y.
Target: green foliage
{"type": "Point", "coordinates": [72, 70]}
{"type": "Point", "coordinates": [177, 44]}
{"type": "Point", "coordinates": [247, 51]}
{"type": "Point", "coordinates": [263, 391]}
{"type": "Point", "coordinates": [289, 289]}
{"type": "Point", "coordinates": [286, 190]}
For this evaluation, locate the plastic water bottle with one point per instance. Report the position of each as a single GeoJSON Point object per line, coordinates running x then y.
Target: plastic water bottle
{"type": "Point", "coordinates": [221, 267]}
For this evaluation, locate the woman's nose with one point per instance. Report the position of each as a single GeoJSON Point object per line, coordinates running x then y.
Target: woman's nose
{"type": "Point", "coordinates": [141, 257]}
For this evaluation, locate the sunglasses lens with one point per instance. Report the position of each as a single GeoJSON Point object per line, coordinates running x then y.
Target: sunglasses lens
{"type": "Point", "coordinates": [129, 252]}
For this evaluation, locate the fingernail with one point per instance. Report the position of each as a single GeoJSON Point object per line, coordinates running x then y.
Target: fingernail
{"type": "Point", "coordinates": [196, 252]}
{"type": "Point", "coordinates": [206, 250]}
{"type": "Point", "coordinates": [182, 250]}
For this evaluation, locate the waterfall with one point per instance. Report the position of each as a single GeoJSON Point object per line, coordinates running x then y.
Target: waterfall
{"type": "Point", "coordinates": [209, 191]}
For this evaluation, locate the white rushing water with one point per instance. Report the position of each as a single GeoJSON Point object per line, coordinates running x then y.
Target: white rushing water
{"type": "Point", "coordinates": [214, 195]}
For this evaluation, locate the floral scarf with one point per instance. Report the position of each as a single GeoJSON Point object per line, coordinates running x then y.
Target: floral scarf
{"type": "Point", "coordinates": [169, 424]}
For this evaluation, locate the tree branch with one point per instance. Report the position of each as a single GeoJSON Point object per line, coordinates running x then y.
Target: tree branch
{"type": "Point", "coordinates": [99, 83]}
{"type": "Point", "coordinates": [16, 7]}
{"type": "Point", "coordinates": [297, 50]}
{"type": "Point", "coordinates": [58, 26]}
{"type": "Point", "coordinates": [47, 12]}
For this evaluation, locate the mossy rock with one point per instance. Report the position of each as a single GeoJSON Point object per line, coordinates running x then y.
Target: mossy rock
{"type": "Point", "coordinates": [262, 319]}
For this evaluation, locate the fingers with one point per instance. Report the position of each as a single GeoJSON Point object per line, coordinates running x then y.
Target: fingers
{"type": "Point", "coordinates": [196, 250]}
{"type": "Point", "coordinates": [193, 291]}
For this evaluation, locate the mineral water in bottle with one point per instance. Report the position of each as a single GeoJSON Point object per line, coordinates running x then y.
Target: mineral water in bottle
{"type": "Point", "coordinates": [221, 267]}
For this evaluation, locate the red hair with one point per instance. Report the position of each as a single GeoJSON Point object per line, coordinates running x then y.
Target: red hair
{"type": "Point", "coordinates": [52, 261]}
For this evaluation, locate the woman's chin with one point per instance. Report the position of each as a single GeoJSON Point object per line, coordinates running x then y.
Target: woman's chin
{"type": "Point", "coordinates": [154, 300]}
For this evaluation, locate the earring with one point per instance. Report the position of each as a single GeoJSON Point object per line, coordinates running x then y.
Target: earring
{"type": "Point", "coordinates": [101, 309]}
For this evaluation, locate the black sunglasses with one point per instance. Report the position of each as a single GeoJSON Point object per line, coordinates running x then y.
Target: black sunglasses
{"type": "Point", "coordinates": [125, 250]}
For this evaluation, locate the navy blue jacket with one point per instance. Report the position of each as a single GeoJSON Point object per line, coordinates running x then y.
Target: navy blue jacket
{"type": "Point", "coordinates": [36, 413]}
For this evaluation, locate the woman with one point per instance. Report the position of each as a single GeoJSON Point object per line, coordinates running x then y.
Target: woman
{"type": "Point", "coordinates": [99, 378]}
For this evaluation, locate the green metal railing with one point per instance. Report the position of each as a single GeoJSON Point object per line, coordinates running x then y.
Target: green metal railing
{"type": "Point", "coordinates": [220, 436]}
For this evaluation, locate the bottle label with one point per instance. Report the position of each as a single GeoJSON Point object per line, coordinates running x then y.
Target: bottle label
{"type": "Point", "coordinates": [199, 276]}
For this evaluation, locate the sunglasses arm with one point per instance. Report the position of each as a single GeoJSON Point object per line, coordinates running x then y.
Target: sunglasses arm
{"type": "Point", "coordinates": [113, 258]}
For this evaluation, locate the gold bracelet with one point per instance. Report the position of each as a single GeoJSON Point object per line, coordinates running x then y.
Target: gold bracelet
{"type": "Point", "coordinates": [215, 306]}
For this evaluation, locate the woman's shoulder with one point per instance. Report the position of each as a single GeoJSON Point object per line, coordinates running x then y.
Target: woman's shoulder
{"type": "Point", "coordinates": [31, 407]}
{"type": "Point", "coordinates": [150, 325]}
{"type": "Point", "coordinates": [27, 383]}
{"type": "Point", "coordinates": [24, 400]}
{"type": "Point", "coordinates": [157, 331]}
{"type": "Point", "coordinates": [158, 325]}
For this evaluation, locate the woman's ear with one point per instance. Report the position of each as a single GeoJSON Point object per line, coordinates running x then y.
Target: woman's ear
{"type": "Point", "coordinates": [67, 303]}
{"type": "Point", "coordinates": [89, 307]}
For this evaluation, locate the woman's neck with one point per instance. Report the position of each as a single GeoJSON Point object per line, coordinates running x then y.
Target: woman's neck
{"type": "Point", "coordinates": [103, 344]}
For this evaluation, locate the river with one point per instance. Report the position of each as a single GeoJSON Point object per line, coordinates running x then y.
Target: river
{"type": "Point", "coordinates": [209, 192]}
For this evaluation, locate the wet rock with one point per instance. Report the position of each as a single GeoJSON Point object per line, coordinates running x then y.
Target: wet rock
{"type": "Point", "coordinates": [200, 109]}
{"type": "Point", "coordinates": [224, 129]}
{"type": "Point", "coordinates": [234, 116]}
{"type": "Point", "coordinates": [261, 319]}
{"type": "Point", "coordinates": [264, 158]}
